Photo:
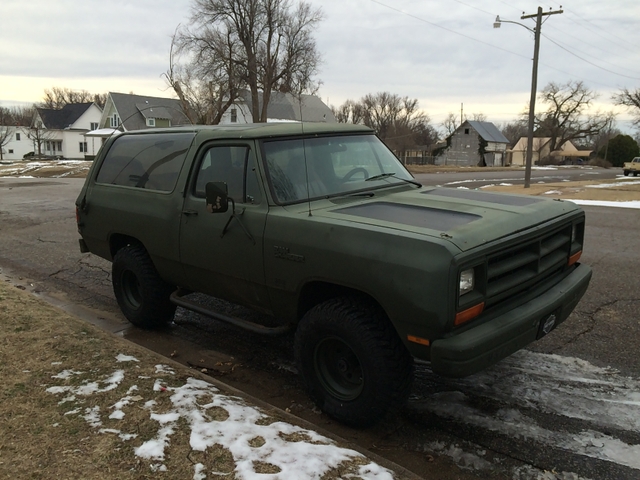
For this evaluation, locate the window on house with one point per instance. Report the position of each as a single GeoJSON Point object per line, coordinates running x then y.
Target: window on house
{"type": "Point", "coordinates": [48, 145]}
{"type": "Point", "coordinates": [234, 115]}
{"type": "Point", "coordinates": [466, 131]}
{"type": "Point", "coordinates": [94, 125]}
{"type": "Point", "coordinates": [83, 147]}
{"type": "Point", "coordinates": [151, 122]}
{"type": "Point", "coordinates": [17, 137]}
{"type": "Point", "coordinates": [114, 121]}
{"type": "Point", "coordinates": [60, 146]}
{"type": "Point", "coordinates": [10, 150]}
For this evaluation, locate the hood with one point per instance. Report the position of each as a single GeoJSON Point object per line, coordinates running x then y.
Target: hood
{"type": "Point", "coordinates": [467, 218]}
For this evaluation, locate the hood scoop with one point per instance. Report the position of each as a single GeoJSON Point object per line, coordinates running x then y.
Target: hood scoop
{"type": "Point", "coordinates": [415, 216]}
{"type": "Point", "coordinates": [485, 197]}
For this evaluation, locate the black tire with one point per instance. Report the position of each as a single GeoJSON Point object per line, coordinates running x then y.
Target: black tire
{"type": "Point", "coordinates": [626, 172]}
{"type": "Point", "coordinates": [142, 295]}
{"type": "Point", "coordinates": [353, 363]}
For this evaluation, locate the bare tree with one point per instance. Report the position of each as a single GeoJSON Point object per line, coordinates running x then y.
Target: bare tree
{"type": "Point", "coordinates": [38, 133]}
{"type": "Point", "coordinates": [479, 117]}
{"type": "Point", "coordinates": [397, 120]}
{"type": "Point", "coordinates": [567, 117]}
{"type": "Point", "coordinates": [261, 45]}
{"type": "Point", "coordinates": [348, 112]}
{"type": "Point", "coordinates": [514, 131]}
{"type": "Point", "coordinates": [58, 97]}
{"type": "Point", "coordinates": [450, 124]}
{"type": "Point", "coordinates": [6, 129]}
{"type": "Point", "coordinates": [631, 99]}
{"type": "Point", "coordinates": [206, 82]}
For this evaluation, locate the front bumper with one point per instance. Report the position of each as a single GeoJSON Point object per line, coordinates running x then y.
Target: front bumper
{"type": "Point", "coordinates": [480, 347]}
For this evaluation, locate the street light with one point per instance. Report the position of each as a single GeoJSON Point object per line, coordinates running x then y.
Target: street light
{"type": "Point", "coordinates": [534, 83]}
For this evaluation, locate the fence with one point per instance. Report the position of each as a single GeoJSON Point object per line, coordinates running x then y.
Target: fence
{"type": "Point", "coordinates": [424, 160]}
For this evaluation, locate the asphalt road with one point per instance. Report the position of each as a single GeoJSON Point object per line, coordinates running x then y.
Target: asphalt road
{"type": "Point", "coordinates": [446, 422]}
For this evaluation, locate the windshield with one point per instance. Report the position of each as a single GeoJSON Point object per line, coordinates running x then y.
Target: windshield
{"type": "Point", "coordinates": [302, 169]}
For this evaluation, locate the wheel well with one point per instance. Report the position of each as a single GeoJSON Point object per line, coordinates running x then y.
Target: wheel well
{"type": "Point", "coordinates": [314, 293]}
{"type": "Point", "coordinates": [118, 241]}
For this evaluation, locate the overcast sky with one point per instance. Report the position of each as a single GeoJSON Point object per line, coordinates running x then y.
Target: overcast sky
{"type": "Point", "coordinates": [443, 52]}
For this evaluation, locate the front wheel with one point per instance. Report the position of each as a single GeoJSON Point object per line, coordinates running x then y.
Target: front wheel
{"type": "Point", "coordinates": [353, 363]}
{"type": "Point", "coordinates": [142, 295]}
{"type": "Point", "coordinates": [626, 172]}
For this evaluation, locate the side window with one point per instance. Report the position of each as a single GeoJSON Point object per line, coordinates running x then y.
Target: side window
{"type": "Point", "coordinates": [149, 161]}
{"type": "Point", "coordinates": [231, 165]}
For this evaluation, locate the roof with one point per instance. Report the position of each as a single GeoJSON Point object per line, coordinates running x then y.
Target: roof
{"type": "Point", "coordinates": [487, 130]}
{"type": "Point", "coordinates": [262, 130]}
{"type": "Point", "coordinates": [134, 110]}
{"type": "Point", "coordinates": [63, 118]}
{"type": "Point", "coordinates": [285, 106]}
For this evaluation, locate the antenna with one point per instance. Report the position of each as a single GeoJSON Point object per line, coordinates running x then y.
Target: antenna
{"type": "Point", "coordinates": [304, 155]}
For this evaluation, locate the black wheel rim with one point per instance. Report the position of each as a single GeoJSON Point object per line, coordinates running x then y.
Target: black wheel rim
{"type": "Point", "coordinates": [131, 289]}
{"type": "Point", "coordinates": [338, 369]}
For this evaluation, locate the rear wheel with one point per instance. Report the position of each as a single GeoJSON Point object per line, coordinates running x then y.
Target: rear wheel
{"type": "Point", "coordinates": [142, 295]}
{"type": "Point", "coordinates": [353, 363]}
{"type": "Point", "coordinates": [626, 172]}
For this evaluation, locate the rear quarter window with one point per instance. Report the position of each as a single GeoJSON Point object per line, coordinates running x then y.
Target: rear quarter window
{"type": "Point", "coordinates": [149, 161]}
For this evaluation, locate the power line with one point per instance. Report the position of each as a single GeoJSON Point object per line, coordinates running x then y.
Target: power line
{"type": "Point", "coordinates": [420, 19]}
{"type": "Point", "coordinates": [446, 28]}
{"type": "Point", "coordinates": [588, 61]}
{"type": "Point", "coordinates": [599, 30]}
{"type": "Point", "coordinates": [594, 46]}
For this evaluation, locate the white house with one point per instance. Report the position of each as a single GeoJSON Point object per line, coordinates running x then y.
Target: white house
{"type": "Point", "coordinates": [61, 132]}
{"type": "Point", "coordinates": [283, 107]}
{"type": "Point", "coordinates": [16, 142]}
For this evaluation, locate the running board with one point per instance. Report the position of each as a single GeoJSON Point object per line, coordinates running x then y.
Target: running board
{"type": "Point", "coordinates": [176, 298]}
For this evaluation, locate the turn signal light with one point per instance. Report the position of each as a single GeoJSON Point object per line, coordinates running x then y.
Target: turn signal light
{"type": "Point", "coordinates": [468, 314]}
{"type": "Point", "coordinates": [574, 258]}
{"type": "Point", "coordinates": [421, 341]}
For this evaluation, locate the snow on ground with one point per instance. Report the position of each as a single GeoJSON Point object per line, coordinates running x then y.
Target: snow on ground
{"type": "Point", "coordinates": [601, 203]}
{"type": "Point", "coordinates": [552, 384]}
{"type": "Point", "coordinates": [310, 456]}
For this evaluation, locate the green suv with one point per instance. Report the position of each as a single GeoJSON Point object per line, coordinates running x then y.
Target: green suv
{"type": "Point", "coordinates": [320, 227]}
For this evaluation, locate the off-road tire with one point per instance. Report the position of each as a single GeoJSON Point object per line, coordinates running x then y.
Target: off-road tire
{"type": "Point", "coordinates": [353, 363]}
{"type": "Point", "coordinates": [626, 172]}
{"type": "Point", "coordinates": [142, 295]}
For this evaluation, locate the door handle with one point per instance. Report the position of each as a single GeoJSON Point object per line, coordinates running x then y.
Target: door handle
{"type": "Point", "coordinates": [190, 212]}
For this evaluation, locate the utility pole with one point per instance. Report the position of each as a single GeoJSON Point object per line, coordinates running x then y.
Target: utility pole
{"type": "Point", "coordinates": [534, 87]}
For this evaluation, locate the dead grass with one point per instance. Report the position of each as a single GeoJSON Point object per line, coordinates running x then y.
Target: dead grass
{"type": "Point", "coordinates": [615, 191]}
{"type": "Point", "coordinates": [451, 168]}
{"type": "Point", "coordinates": [45, 435]}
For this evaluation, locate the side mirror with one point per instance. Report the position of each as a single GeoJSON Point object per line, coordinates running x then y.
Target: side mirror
{"type": "Point", "coordinates": [217, 197]}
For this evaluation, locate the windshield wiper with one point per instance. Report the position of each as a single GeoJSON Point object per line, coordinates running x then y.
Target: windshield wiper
{"type": "Point", "coordinates": [392, 174]}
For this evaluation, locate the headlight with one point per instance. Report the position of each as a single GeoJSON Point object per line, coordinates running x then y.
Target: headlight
{"type": "Point", "coordinates": [467, 281]}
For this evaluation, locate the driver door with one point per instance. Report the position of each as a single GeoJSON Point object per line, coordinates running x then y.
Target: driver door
{"type": "Point", "coordinates": [228, 266]}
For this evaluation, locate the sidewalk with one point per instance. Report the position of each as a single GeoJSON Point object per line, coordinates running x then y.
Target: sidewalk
{"type": "Point", "coordinates": [78, 402]}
